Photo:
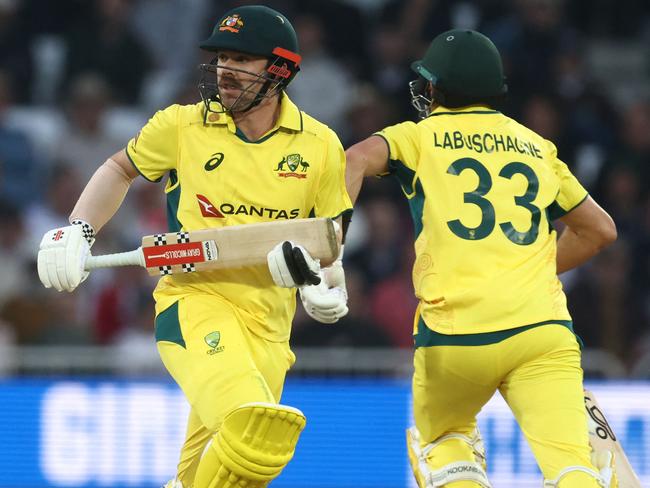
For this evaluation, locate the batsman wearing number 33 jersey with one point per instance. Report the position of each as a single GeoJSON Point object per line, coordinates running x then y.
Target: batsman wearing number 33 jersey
{"type": "Point", "coordinates": [245, 154]}
{"type": "Point", "coordinates": [484, 192]}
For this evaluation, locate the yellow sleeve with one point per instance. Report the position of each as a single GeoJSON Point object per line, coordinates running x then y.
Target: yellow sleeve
{"type": "Point", "coordinates": [403, 147]}
{"type": "Point", "coordinates": [570, 194]}
{"type": "Point", "coordinates": [332, 198]}
{"type": "Point", "coordinates": [154, 150]}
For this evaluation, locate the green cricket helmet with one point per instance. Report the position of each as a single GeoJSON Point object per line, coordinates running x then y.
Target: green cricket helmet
{"type": "Point", "coordinates": [256, 30]}
{"type": "Point", "coordinates": [465, 68]}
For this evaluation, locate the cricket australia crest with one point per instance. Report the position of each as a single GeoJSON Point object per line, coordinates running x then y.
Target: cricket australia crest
{"type": "Point", "coordinates": [232, 23]}
{"type": "Point", "coordinates": [212, 340]}
{"type": "Point", "coordinates": [296, 167]}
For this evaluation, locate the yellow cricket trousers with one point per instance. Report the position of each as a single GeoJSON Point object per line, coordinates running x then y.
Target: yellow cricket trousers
{"type": "Point", "coordinates": [538, 374]}
{"type": "Point", "coordinates": [219, 364]}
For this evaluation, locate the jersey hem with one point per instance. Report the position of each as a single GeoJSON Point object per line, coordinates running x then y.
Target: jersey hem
{"type": "Point", "coordinates": [425, 337]}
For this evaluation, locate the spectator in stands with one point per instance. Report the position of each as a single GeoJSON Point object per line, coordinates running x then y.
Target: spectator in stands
{"type": "Point", "coordinates": [368, 112]}
{"type": "Point", "coordinates": [636, 142]}
{"type": "Point", "coordinates": [606, 311]}
{"type": "Point", "coordinates": [84, 140]}
{"type": "Point", "coordinates": [19, 172]}
{"type": "Point", "coordinates": [105, 44]}
{"type": "Point", "coordinates": [625, 181]}
{"type": "Point", "coordinates": [542, 114]}
{"type": "Point", "coordinates": [622, 19]}
{"type": "Point", "coordinates": [381, 256]}
{"type": "Point", "coordinates": [172, 45]}
{"type": "Point", "coordinates": [531, 39]}
{"type": "Point", "coordinates": [14, 255]}
{"type": "Point", "coordinates": [134, 345]}
{"type": "Point", "coordinates": [15, 55]}
{"type": "Point", "coordinates": [59, 199]}
{"type": "Point", "coordinates": [393, 302]}
{"type": "Point", "coordinates": [323, 89]}
{"type": "Point", "coordinates": [119, 304]}
{"type": "Point", "coordinates": [390, 68]}
{"type": "Point", "coordinates": [26, 316]}
{"type": "Point", "coordinates": [347, 41]}
{"type": "Point", "coordinates": [66, 322]}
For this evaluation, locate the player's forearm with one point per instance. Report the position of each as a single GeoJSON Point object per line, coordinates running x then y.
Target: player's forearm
{"type": "Point", "coordinates": [366, 158]}
{"type": "Point", "coordinates": [588, 230]}
{"type": "Point", "coordinates": [574, 249]}
{"type": "Point", "coordinates": [353, 181]}
{"type": "Point", "coordinates": [103, 194]}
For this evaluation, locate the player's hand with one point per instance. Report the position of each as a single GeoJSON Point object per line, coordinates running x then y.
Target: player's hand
{"type": "Point", "coordinates": [327, 302]}
{"type": "Point", "coordinates": [62, 256]}
{"type": "Point", "coordinates": [291, 265]}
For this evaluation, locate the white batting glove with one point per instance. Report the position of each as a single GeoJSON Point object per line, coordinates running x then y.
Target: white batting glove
{"type": "Point", "coordinates": [62, 256]}
{"type": "Point", "coordinates": [327, 302]}
{"type": "Point", "coordinates": [291, 266]}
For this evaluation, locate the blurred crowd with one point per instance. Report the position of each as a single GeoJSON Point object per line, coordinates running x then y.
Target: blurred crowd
{"type": "Point", "coordinates": [78, 78]}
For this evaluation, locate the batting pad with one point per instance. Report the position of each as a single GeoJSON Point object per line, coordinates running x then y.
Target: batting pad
{"type": "Point", "coordinates": [460, 474]}
{"type": "Point", "coordinates": [254, 444]}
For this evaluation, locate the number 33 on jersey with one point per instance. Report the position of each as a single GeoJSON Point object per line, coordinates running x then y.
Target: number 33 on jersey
{"type": "Point", "coordinates": [481, 185]}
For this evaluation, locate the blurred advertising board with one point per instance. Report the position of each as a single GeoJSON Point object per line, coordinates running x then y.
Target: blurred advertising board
{"type": "Point", "coordinates": [118, 433]}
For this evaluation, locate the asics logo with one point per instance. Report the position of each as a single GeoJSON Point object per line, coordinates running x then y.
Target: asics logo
{"type": "Point", "coordinates": [214, 161]}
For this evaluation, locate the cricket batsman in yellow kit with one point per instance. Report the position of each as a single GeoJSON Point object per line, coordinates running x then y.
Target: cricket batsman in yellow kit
{"type": "Point", "coordinates": [244, 154]}
{"type": "Point", "coordinates": [483, 192]}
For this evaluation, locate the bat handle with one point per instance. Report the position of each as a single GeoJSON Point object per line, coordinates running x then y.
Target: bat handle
{"type": "Point", "coordinates": [129, 258]}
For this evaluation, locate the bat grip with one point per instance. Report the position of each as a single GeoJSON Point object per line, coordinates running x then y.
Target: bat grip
{"type": "Point", "coordinates": [129, 258]}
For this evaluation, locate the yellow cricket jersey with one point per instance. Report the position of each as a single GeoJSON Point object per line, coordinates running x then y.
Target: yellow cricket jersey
{"type": "Point", "coordinates": [483, 190]}
{"type": "Point", "coordinates": [218, 178]}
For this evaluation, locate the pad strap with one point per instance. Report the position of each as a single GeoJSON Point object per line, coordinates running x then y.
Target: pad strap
{"type": "Point", "coordinates": [555, 483]}
{"type": "Point", "coordinates": [458, 471]}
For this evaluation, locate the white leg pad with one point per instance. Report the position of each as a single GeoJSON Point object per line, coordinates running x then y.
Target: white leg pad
{"type": "Point", "coordinates": [458, 471]}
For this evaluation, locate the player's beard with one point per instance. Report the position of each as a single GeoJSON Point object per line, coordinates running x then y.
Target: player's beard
{"type": "Point", "coordinates": [236, 95]}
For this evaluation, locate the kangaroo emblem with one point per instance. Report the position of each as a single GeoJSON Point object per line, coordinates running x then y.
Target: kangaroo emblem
{"type": "Point", "coordinates": [292, 162]}
{"type": "Point", "coordinates": [281, 165]}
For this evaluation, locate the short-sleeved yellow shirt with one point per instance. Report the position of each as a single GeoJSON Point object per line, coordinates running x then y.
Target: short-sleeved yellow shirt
{"type": "Point", "coordinates": [218, 178]}
{"type": "Point", "coordinates": [483, 191]}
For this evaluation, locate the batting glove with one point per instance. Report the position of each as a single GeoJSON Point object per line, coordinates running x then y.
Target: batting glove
{"type": "Point", "coordinates": [327, 302]}
{"type": "Point", "coordinates": [291, 266]}
{"type": "Point", "coordinates": [62, 255]}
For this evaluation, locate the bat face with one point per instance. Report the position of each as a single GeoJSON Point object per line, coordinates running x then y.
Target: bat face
{"type": "Point", "coordinates": [236, 246]}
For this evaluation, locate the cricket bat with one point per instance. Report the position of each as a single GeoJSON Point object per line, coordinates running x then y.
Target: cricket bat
{"type": "Point", "coordinates": [225, 247]}
{"type": "Point", "coordinates": [601, 436]}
